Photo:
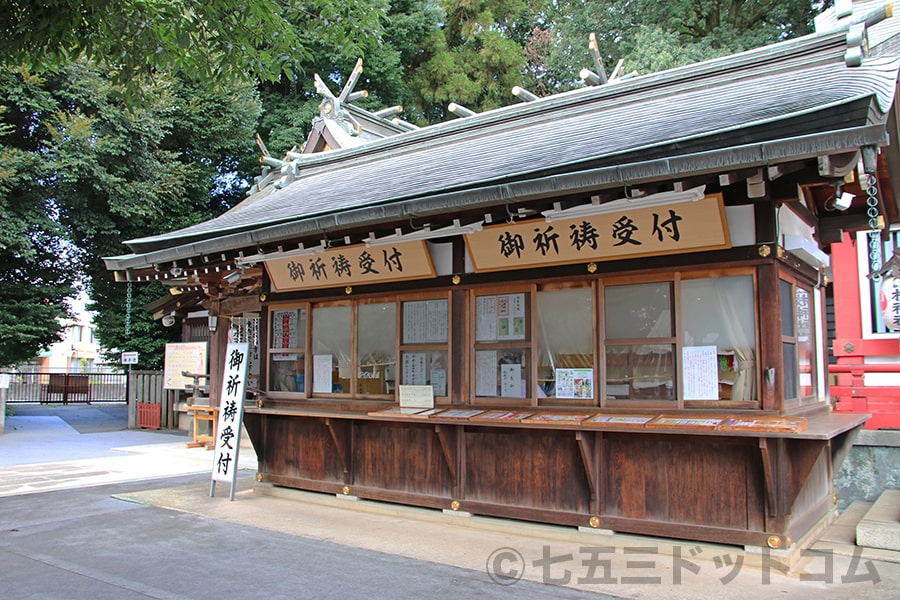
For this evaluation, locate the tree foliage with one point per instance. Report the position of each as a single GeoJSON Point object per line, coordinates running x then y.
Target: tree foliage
{"type": "Point", "coordinates": [215, 41]}
{"type": "Point", "coordinates": [472, 59]}
{"type": "Point", "coordinates": [650, 36]}
{"type": "Point", "coordinates": [92, 171]}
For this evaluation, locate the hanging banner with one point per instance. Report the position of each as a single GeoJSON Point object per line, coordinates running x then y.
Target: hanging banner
{"type": "Point", "coordinates": [350, 265]}
{"type": "Point", "coordinates": [890, 302]}
{"type": "Point", "coordinates": [231, 412]}
{"type": "Point", "coordinates": [625, 233]}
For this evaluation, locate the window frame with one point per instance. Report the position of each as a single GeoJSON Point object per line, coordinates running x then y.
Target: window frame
{"type": "Point", "coordinates": [753, 273]}
{"type": "Point", "coordinates": [354, 394]}
{"type": "Point", "coordinates": [799, 399]}
{"type": "Point", "coordinates": [527, 345]}
{"type": "Point", "coordinates": [426, 346]}
{"type": "Point", "coordinates": [270, 351]}
{"type": "Point", "coordinates": [674, 279]}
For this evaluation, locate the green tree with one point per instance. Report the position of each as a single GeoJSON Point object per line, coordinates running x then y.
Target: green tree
{"type": "Point", "coordinates": [92, 171]}
{"type": "Point", "coordinates": [473, 59]}
{"type": "Point", "coordinates": [216, 41]}
{"type": "Point", "coordinates": [651, 36]}
{"type": "Point", "coordinates": [389, 62]}
{"type": "Point", "coordinates": [36, 271]}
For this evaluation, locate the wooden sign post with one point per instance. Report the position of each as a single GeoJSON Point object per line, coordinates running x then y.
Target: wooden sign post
{"type": "Point", "coordinates": [231, 412]}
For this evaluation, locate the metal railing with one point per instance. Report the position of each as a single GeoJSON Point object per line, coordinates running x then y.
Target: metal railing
{"type": "Point", "coordinates": [45, 386]}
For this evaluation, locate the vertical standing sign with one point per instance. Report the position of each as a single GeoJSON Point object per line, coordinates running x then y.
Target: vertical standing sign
{"type": "Point", "coordinates": [231, 412]}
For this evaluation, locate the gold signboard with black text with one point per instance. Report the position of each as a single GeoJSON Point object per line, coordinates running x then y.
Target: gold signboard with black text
{"type": "Point", "coordinates": [351, 265]}
{"type": "Point", "coordinates": [626, 233]}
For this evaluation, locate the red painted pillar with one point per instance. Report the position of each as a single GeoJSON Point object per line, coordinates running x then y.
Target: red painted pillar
{"type": "Point", "coordinates": [847, 320]}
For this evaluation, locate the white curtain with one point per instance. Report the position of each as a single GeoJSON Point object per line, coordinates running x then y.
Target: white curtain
{"type": "Point", "coordinates": [721, 312]}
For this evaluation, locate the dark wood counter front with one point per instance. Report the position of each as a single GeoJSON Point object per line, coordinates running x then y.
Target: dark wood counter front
{"type": "Point", "coordinates": [683, 479]}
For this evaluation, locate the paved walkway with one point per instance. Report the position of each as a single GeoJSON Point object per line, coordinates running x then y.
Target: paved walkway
{"type": "Point", "coordinates": [43, 451]}
{"type": "Point", "coordinates": [54, 447]}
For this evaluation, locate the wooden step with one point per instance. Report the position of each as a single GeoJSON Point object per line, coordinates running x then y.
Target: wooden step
{"type": "Point", "coordinates": [880, 526]}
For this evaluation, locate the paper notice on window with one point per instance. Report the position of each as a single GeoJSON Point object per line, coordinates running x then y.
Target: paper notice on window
{"type": "Point", "coordinates": [511, 383]}
{"type": "Point", "coordinates": [425, 322]}
{"type": "Point", "coordinates": [511, 317]}
{"type": "Point", "coordinates": [439, 381]}
{"type": "Point", "coordinates": [322, 364]}
{"type": "Point", "coordinates": [414, 368]}
{"type": "Point", "coordinates": [575, 383]}
{"type": "Point", "coordinates": [700, 373]}
{"type": "Point", "coordinates": [485, 373]}
{"type": "Point", "coordinates": [486, 319]}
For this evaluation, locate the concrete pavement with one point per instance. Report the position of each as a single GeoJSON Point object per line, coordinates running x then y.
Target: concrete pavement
{"type": "Point", "coordinates": [494, 557]}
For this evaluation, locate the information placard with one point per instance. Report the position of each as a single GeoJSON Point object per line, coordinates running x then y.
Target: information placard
{"type": "Point", "coordinates": [416, 396]}
{"type": "Point", "coordinates": [188, 356]}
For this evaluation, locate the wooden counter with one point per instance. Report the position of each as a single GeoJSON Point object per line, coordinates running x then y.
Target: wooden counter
{"type": "Point", "coordinates": [745, 487]}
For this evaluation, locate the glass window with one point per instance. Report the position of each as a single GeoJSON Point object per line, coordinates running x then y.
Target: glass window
{"type": "Point", "coordinates": [287, 350]}
{"type": "Point", "coordinates": [565, 342]}
{"type": "Point", "coordinates": [426, 367]}
{"type": "Point", "coordinates": [798, 341]}
{"type": "Point", "coordinates": [787, 308]}
{"type": "Point", "coordinates": [720, 312]}
{"type": "Point", "coordinates": [501, 373]}
{"type": "Point", "coordinates": [331, 349]}
{"type": "Point", "coordinates": [425, 321]}
{"type": "Point", "coordinates": [646, 370]}
{"type": "Point", "coordinates": [376, 345]}
{"type": "Point", "coordinates": [639, 311]}
{"type": "Point", "coordinates": [424, 355]}
{"type": "Point", "coordinates": [805, 348]}
{"type": "Point", "coordinates": [502, 348]}
{"type": "Point", "coordinates": [501, 318]}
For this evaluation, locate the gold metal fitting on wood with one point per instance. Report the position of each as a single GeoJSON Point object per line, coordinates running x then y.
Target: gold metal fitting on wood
{"type": "Point", "coordinates": [348, 290]}
{"type": "Point", "coordinates": [455, 505]}
{"type": "Point", "coordinates": [346, 490]}
{"type": "Point", "coordinates": [774, 542]}
{"type": "Point", "coordinates": [259, 403]}
{"type": "Point", "coordinates": [259, 477]}
{"type": "Point", "coordinates": [262, 297]}
{"type": "Point", "coordinates": [594, 522]}
{"type": "Point", "coordinates": [592, 267]}
{"type": "Point", "coordinates": [456, 279]}
{"type": "Point", "coordinates": [765, 251]}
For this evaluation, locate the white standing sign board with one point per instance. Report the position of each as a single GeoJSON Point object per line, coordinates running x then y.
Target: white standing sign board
{"type": "Point", "coordinates": [231, 412]}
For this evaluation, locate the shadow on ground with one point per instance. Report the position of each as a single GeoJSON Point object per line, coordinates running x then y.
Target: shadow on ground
{"type": "Point", "coordinates": [83, 418]}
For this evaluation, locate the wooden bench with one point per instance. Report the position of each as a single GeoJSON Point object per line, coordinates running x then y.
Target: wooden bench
{"type": "Point", "coordinates": [68, 385]}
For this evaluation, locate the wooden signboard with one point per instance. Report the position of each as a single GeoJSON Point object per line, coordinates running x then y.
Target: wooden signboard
{"type": "Point", "coordinates": [779, 424]}
{"type": "Point", "coordinates": [428, 412]}
{"type": "Point", "coordinates": [667, 422]}
{"type": "Point", "coordinates": [502, 416]}
{"type": "Point", "coordinates": [619, 420]}
{"type": "Point", "coordinates": [625, 233]}
{"type": "Point", "coordinates": [351, 265]}
{"type": "Point", "coordinates": [458, 413]}
{"type": "Point", "coordinates": [396, 411]}
{"type": "Point", "coordinates": [558, 418]}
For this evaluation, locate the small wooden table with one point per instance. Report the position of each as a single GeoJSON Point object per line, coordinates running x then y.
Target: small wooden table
{"type": "Point", "coordinates": [204, 413]}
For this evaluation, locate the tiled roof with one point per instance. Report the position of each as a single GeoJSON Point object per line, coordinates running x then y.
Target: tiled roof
{"type": "Point", "coordinates": [793, 99]}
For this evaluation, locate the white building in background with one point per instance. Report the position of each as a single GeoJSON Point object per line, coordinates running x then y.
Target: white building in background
{"type": "Point", "coordinates": [77, 352]}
